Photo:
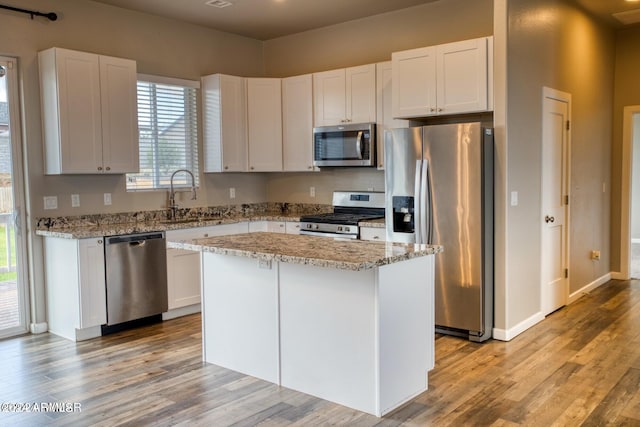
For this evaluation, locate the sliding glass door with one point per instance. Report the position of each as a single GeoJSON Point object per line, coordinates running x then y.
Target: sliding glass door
{"type": "Point", "coordinates": [13, 291]}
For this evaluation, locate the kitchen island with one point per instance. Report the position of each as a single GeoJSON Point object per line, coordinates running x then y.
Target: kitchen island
{"type": "Point", "coordinates": [347, 321]}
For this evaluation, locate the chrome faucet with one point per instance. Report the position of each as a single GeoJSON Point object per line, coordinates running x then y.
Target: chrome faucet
{"type": "Point", "coordinates": [172, 193]}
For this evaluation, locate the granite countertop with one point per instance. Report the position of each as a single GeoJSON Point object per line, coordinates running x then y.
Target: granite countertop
{"type": "Point", "coordinates": [310, 250]}
{"type": "Point", "coordinates": [92, 226]}
{"type": "Point", "coordinates": [83, 231]}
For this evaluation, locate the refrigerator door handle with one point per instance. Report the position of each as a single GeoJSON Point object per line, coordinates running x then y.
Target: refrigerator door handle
{"type": "Point", "coordinates": [417, 202]}
{"type": "Point", "coordinates": [425, 204]}
{"type": "Point", "coordinates": [428, 201]}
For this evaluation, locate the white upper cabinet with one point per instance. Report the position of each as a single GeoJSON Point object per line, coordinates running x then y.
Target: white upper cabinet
{"type": "Point", "coordinates": [346, 95]}
{"type": "Point", "coordinates": [224, 102]}
{"type": "Point", "coordinates": [384, 104]}
{"type": "Point", "coordinates": [451, 78]}
{"type": "Point", "coordinates": [89, 112]}
{"type": "Point", "coordinates": [297, 123]}
{"type": "Point", "coordinates": [264, 116]}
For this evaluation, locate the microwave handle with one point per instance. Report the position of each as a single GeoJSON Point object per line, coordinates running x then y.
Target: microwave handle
{"type": "Point", "coordinates": [359, 145]}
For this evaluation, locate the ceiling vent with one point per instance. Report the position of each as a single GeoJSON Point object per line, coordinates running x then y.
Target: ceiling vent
{"type": "Point", "coordinates": [218, 3]}
{"type": "Point", "coordinates": [629, 17]}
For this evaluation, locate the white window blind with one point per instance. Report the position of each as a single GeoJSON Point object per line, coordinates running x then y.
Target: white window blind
{"type": "Point", "coordinates": [168, 133]}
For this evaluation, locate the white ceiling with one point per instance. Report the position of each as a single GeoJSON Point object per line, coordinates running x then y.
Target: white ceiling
{"type": "Point", "coordinates": [267, 19]}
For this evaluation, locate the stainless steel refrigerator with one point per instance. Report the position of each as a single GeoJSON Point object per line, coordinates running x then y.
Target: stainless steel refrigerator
{"type": "Point", "coordinates": [439, 190]}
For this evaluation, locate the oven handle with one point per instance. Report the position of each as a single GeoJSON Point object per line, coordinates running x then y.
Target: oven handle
{"type": "Point", "coordinates": [334, 235]}
{"type": "Point", "coordinates": [359, 145]}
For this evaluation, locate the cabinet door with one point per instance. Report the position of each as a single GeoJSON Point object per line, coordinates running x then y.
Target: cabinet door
{"type": "Point", "coordinates": [183, 278]}
{"type": "Point", "coordinates": [384, 115]}
{"type": "Point", "coordinates": [70, 84]}
{"type": "Point", "coordinates": [361, 94]}
{"type": "Point", "coordinates": [329, 98]}
{"type": "Point", "coordinates": [118, 90]}
{"type": "Point", "coordinates": [264, 116]}
{"type": "Point", "coordinates": [413, 83]}
{"type": "Point", "coordinates": [297, 123]}
{"type": "Point", "coordinates": [225, 123]}
{"type": "Point", "coordinates": [462, 76]}
{"type": "Point", "coordinates": [373, 233]}
{"type": "Point", "coordinates": [93, 299]}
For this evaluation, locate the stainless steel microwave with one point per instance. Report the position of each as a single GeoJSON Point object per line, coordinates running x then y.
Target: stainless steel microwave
{"type": "Point", "coordinates": [345, 145]}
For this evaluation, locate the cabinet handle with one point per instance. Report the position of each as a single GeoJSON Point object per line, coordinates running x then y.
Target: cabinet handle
{"type": "Point", "coordinates": [433, 110]}
{"type": "Point", "coordinates": [440, 110]}
{"type": "Point", "coordinates": [99, 168]}
{"type": "Point", "coordinates": [251, 168]}
{"type": "Point", "coordinates": [226, 167]}
{"type": "Point", "coordinates": [206, 235]}
{"type": "Point", "coordinates": [309, 167]}
{"type": "Point", "coordinates": [108, 168]}
{"type": "Point", "coordinates": [99, 242]}
{"type": "Point", "coordinates": [376, 237]}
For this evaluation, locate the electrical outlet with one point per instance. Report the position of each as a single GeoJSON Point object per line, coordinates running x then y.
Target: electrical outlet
{"type": "Point", "coordinates": [232, 193]}
{"type": "Point", "coordinates": [595, 255]}
{"type": "Point", "coordinates": [107, 199]}
{"type": "Point", "coordinates": [75, 200]}
{"type": "Point", "coordinates": [514, 198]}
{"type": "Point", "coordinates": [312, 191]}
{"type": "Point", "coordinates": [51, 202]}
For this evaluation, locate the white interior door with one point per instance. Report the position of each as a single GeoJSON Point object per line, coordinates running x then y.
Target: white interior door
{"type": "Point", "coordinates": [555, 177]}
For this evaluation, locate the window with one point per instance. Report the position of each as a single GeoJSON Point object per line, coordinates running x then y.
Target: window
{"type": "Point", "coordinates": [168, 133]}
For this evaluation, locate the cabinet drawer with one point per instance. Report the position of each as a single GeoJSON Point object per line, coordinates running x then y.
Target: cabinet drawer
{"type": "Point", "coordinates": [373, 233]}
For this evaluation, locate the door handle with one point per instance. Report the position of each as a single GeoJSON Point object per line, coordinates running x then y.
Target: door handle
{"type": "Point", "coordinates": [549, 219]}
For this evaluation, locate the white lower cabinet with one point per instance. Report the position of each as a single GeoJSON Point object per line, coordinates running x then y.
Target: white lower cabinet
{"type": "Point", "coordinates": [75, 287]}
{"type": "Point", "coordinates": [267, 226]}
{"type": "Point", "coordinates": [183, 267]}
{"type": "Point", "coordinates": [292, 227]}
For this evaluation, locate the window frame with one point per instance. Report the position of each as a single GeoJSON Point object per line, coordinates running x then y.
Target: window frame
{"type": "Point", "coordinates": [160, 80]}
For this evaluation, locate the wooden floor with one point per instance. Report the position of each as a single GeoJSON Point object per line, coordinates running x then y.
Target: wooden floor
{"type": "Point", "coordinates": [580, 366]}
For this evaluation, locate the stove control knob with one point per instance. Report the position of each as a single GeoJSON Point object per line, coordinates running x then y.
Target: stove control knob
{"type": "Point", "coordinates": [308, 225]}
{"type": "Point", "coordinates": [340, 228]}
{"type": "Point", "coordinates": [316, 226]}
{"type": "Point", "coordinates": [347, 229]}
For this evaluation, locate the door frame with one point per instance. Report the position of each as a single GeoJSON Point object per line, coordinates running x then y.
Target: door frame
{"type": "Point", "coordinates": [625, 194]}
{"type": "Point", "coordinates": [557, 95]}
{"type": "Point", "coordinates": [20, 207]}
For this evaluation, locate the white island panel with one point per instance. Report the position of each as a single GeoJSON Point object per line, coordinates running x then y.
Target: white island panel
{"type": "Point", "coordinates": [407, 330]}
{"type": "Point", "coordinates": [240, 315]}
{"type": "Point", "coordinates": [328, 334]}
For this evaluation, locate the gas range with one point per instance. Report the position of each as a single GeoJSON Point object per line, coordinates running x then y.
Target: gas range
{"type": "Point", "coordinates": [349, 208]}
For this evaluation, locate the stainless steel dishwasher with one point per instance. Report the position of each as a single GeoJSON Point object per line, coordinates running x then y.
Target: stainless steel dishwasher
{"type": "Point", "coordinates": [136, 276]}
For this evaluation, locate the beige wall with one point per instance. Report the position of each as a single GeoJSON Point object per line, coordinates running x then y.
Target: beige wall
{"type": "Point", "coordinates": [373, 39]}
{"type": "Point", "coordinates": [554, 44]}
{"type": "Point", "coordinates": [627, 92]}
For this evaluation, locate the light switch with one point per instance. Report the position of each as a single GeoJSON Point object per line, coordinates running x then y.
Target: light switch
{"type": "Point", "coordinates": [312, 191]}
{"type": "Point", "coordinates": [107, 199]}
{"type": "Point", "coordinates": [514, 198]}
{"type": "Point", "coordinates": [232, 193]}
{"type": "Point", "coordinates": [51, 202]}
{"type": "Point", "coordinates": [75, 200]}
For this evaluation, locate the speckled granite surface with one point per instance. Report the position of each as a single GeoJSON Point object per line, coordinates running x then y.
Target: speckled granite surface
{"type": "Point", "coordinates": [310, 250]}
{"type": "Point", "coordinates": [99, 225]}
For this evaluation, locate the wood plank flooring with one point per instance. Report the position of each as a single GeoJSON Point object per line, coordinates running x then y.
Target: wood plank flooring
{"type": "Point", "coordinates": [580, 366]}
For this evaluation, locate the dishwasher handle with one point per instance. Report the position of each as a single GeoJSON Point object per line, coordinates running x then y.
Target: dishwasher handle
{"type": "Point", "coordinates": [134, 239]}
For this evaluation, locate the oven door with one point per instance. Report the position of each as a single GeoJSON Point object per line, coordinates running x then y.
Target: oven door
{"type": "Point", "coordinates": [346, 145]}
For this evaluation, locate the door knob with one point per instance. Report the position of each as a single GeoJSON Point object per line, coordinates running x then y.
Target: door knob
{"type": "Point", "coordinates": [548, 219]}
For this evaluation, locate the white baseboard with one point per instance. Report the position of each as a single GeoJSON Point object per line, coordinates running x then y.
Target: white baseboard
{"type": "Point", "coordinates": [509, 334]}
{"type": "Point", "coordinates": [635, 240]}
{"type": "Point", "coordinates": [88, 333]}
{"type": "Point", "coordinates": [182, 311]}
{"type": "Point", "coordinates": [573, 297]}
{"type": "Point", "coordinates": [38, 328]}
